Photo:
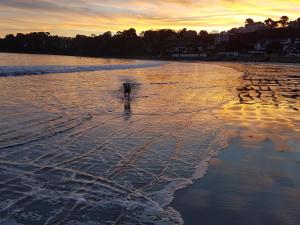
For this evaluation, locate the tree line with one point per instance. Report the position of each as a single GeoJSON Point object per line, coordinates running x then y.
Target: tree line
{"type": "Point", "coordinates": [124, 43]}
{"type": "Point", "coordinates": [282, 22]}
{"type": "Point", "coordinates": [150, 43]}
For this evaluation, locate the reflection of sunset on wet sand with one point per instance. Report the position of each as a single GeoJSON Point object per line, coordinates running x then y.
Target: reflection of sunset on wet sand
{"type": "Point", "coordinates": [255, 180]}
{"type": "Point", "coordinates": [260, 122]}
{"type": "Point", "coordinates": [268, 105]}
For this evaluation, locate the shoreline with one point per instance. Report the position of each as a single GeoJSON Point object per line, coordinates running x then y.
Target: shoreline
{"type": "Point", "coordinates": [237, 59]}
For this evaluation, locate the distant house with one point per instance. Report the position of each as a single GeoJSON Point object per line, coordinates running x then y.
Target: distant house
{"type": "Point", "coordinates": [260, 46]}
{"type": "Point", "coordinates": [249, 28]}
{"type": "Point", "coordinates": [292, 46]}
{"type": "Point", "coordinates": [189, 55]}
{"type": "Point", "coordinates": [297, 44]}
{"type": "Point", "coordinates": [185, 49]}
{"type": "Point", "coordinates": [289, 45]}
{"type": "Point", "coordinates": [252, 27]}
{"type": "Point", "coordinates": [256, 53]}
{"type": "Point", "coordinates": [187, 52]}
{"type": "Point", "coordinates": [223, 37]}
{"type": "Point", "coordinates": [228, 54]}
{"type": "Point", "coordinates": [226, 37]}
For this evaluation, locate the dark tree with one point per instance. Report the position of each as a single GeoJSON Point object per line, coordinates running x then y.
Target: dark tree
{"type": "Point", "coordinates": [271, 23]}
{"type": "Point", "coordinates": [284, 21]}
{"type": "Point", "coordinates": [249, 21]}
{"type": "Point", "coordinates": [204, 38]}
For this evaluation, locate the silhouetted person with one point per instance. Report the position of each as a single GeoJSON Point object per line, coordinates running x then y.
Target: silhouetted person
{"type": "Point", "coordinates": [127, 90]}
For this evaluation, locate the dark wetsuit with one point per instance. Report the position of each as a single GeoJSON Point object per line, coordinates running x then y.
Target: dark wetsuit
{"type": "Point", "coordinates": [127, 90]}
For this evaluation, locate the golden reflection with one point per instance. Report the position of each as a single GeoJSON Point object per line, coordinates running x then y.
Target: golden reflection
{"type": "Point", "coordinates": [258, 122]}
{"type": "Point", "coordinates": [266, 106]}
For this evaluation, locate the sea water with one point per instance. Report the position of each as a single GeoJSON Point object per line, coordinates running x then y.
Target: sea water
{"type": "Point", "coordinates": [73, 151]}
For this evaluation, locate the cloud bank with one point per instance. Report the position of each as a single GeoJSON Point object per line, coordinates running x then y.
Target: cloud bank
{"type": "Point", "coordinates": [71, 17]}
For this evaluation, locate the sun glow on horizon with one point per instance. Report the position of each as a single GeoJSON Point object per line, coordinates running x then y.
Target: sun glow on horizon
{"type": "Point", "coordinates": [95, 17]}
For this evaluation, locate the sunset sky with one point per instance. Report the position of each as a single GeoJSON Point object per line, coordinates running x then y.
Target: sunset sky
{"type": "Point", "coordinates": [71, 17]}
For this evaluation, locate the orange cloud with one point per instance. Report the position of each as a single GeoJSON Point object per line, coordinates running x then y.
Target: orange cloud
{"type": "Point", "coordinates": [92, 16]}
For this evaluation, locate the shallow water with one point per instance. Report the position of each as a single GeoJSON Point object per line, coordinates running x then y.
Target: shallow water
{"type": "Point", "coordinates": [73, 151]}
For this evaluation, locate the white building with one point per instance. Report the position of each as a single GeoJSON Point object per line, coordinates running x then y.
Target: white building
{"type": "Point", "coordinates": [222, 37]}
{"type": "Point", "coordinates": [255, 27]}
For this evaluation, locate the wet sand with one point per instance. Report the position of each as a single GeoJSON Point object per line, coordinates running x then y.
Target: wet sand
{"type": "Point", "coordinates": [72, 151]}
{"type": "Point", "coordinates": [255, 180]}
{"type": "Point", "coordinates": [245, 186]}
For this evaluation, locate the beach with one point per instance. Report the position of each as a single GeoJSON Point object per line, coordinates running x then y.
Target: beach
{"type": "Point", "coordinates": [197, 143]}
{"type": "Point", "coordinates": [254, 180]}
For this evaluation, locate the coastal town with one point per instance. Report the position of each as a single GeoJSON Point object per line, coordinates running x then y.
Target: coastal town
{"type": "Point", "coordinates": [264, 42]}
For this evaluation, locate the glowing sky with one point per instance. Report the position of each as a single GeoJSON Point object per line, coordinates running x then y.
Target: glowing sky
{"type": "Point", "coordinates": [70, 17]}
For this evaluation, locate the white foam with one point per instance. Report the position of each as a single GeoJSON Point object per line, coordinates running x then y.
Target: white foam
{"type": "Point", "coordinates": [51, 69]}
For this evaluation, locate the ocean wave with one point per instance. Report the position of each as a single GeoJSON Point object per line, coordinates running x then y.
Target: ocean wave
{"type": "Point", "coordinates": [52, 69]}
{"type": "Point", "coordinates": [88, 159]}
